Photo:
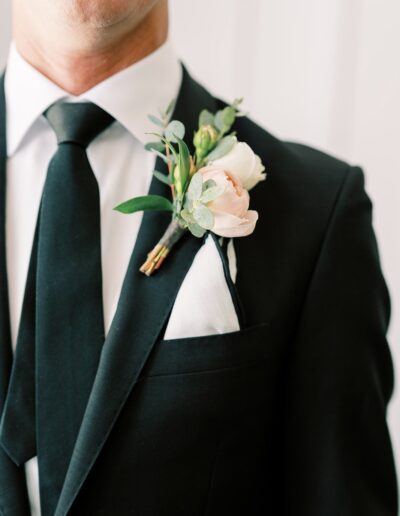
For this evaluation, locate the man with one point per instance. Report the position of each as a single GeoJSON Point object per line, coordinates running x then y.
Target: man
{"type": "Point", "coordinates": [136, 395]}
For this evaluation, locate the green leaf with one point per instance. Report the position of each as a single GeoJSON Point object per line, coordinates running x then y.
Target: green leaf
{"type": "Point", "coordinates": [208, 184]}
{"type": "Point", "coordinates": [155, 146]}
{"type": "Point", "coordinates": [170, 107]}
{"type": "Point", "coordinates": [195, 186]}
{"type": "Point", "coordinates": [184, 163]}
{"type": "Point", "coordinates": [159, 148]}
{"type": "Point", "coordinates": [224, 146]}
{"type": "Point", "coordinates": [187, 216]}
{"type": "Point", "coordinates": [212, 193]}
{"type": "Point", "coordinates": [204, 217]}
{"type": "Point", "coordinates": [225, 118]}
{"type": "Point", "coordinates": [236, 103]}
{"type": "Point", "coordinates": [206, 118]}
{"type": "Point", "coordinates": [229, 115]}
{"type": "Point", "coordinates": [155, 120]}
{"type": "Point", "coordinates": [145, 203]}
{"type": "Point", "coordinates": [175, 130]}
{"type": "Point", "coordinates": [219, 121]}
{"type": "Point", "coordinates": [196, 230]}
{"type": "Point", "coordinates": [163, 156]}
{"type": "Point", "coordinates": [162, 177]}
{"type": "Point", "coordinates": [187, 204]}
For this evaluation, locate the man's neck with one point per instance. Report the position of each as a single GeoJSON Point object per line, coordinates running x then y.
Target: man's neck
{"type": "Point", "coordinates": [77, 62]}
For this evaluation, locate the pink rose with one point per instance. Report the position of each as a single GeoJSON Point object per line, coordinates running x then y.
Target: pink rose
{"type": "Point", "coordinates": [232, 217]}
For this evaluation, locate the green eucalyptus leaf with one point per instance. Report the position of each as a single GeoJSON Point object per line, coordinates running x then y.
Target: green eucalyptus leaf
{"type": "Point", "coordinates": [212, 193]}
{"type": "Point", "coordinates": [225, 118]}
{"type": "Point", "coordinates": [206, 118]}
{"type": "Point", "coordinates": [184, 164]}
{"type": "Point", "coordinates": [195, 186]}
{"type": "Point", "coordinates": [187, 216]}
{"type": "Point", "coordinates": [155, 146]}
{"type": "Point", "coordinates": [196, 230]}
{"type": "Point", "coordinates": [203, 216]}
{"type": "Point", "coordinates": [145, 203]}
{"type": "Point", "coordinates": [229, 115]}
{"type": "Point", "coordinates": [162, 177]}
{"type": "Point", "coordinates": [219, 121]}
{"type": "Point", "coordinates": [236, 103]}
{"type": "Point", "coordinates": [155, 120]}
{"type": "Point", "coordinates": [224, 146]}
{"type": "Point", "coordinates": [164, 157]}
{"type": "Point", "coordinates": [170, 107]}
{"type": "Point", "coordinates": [208, 184]}
{"type": "Point", "coordinates": [175, 130]}
{"type": "Point", "coordinates": [187, 204]}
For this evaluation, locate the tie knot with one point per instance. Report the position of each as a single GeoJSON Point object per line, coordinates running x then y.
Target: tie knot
{"type": "Point", "coordinates": [78, 123]}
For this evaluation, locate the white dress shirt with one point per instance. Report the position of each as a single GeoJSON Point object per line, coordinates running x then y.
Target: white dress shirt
{"type": "Point", "coordinates": [123, 169]}
{"type": "Point", "coordinates": [122, 166]}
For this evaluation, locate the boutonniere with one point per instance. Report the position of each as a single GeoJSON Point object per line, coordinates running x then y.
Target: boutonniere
{"type": "Point", "coordinates": [209, 189]}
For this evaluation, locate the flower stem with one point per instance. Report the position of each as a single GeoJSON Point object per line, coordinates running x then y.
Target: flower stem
{"type": "Point", "coordinates": [170, 171]}
{"type": "Point", "coordinates": [157, 255]}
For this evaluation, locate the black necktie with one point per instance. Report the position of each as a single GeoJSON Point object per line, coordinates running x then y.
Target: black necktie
{"type": "Point", "coordinates": [62, 328]}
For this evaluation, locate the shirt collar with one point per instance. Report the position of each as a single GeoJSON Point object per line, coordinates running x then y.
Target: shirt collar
{"type": "Point", "coordinates": [129, 96]}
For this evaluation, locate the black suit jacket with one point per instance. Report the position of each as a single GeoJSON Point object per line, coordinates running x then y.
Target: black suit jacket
{"type": "Point", "coordinates": [285, 416]}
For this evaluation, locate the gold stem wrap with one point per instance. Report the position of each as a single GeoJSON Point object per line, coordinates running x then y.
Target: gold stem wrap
{"type": "Point", "coordinates": [157, 255]}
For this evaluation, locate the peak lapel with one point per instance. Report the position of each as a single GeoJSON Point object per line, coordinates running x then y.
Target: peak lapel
{"type": "Point", "coordinates": [13, 493]}
{"type": "Point", "coordinates": [143, 308]}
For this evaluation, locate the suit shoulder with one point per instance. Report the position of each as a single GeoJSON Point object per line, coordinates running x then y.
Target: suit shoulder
{"type": "Point", "coordinates": [296, 172]}
{"type": "Point", "coordinates": [297, 159]}
{"type": "Point", "coordinates": [302, 187]}
{"type": "Point", "coordinates": [291, 161]}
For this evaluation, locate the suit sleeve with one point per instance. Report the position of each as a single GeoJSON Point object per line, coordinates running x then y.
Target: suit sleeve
{"type": "Point", "coordinates": [338, 455]}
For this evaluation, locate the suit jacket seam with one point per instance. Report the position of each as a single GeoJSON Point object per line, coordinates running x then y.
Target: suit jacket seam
{"type": "Point", "coordinates": [243, 365]}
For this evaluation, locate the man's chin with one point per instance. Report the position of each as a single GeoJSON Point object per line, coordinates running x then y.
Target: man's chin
{"type": "Point", "coordinates": [104, 13]}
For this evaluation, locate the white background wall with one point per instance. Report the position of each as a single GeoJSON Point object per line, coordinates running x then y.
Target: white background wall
{"type": "Point", "coordinates": [324, 72]}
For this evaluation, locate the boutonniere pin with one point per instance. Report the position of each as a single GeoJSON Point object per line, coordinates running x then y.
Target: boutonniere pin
{"type": "Point", "coordinates": [209, 190]}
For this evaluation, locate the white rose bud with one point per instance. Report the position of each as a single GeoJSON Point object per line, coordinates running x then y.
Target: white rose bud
{"type": "Point", "coordinates": [244, 163]}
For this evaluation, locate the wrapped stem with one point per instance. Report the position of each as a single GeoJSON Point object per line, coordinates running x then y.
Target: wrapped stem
{"type": "Point", "coordinates": [157, 255]}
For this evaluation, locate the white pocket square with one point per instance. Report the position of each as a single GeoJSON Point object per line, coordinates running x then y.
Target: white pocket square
{"type": "Point", "coordinates": [204, 304]}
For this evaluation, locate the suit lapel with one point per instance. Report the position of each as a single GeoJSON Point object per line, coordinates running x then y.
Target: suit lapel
{"type": "Point", "coordinates": [13, 493]}
{"type": "Point", "coordinates": [143, 309]}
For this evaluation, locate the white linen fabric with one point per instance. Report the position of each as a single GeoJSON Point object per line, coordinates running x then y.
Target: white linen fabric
{"type": "Point", "coordinates": [123, 170]}
{"type": "Point", "coordinates": [207, 292]}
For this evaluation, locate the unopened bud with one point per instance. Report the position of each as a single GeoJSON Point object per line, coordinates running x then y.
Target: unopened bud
{"type": "Point", "coordinates": [177, 181]}
{"type": "Point", "coordinates": [204, 140]}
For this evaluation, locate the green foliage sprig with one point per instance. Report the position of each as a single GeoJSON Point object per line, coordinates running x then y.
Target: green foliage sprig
{"type": "Point", "coordinates": [190, 194]}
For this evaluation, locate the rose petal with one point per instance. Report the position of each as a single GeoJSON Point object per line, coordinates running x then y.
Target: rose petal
{"type": "Point", "coordinates": [234, 200]}
{"type": "Point", "coordinates": [229, 226]}
{"type": "Point", "coordinates": [240, 161]}
{"type": "Point", "coordinates": [257, 175]}
{"type": "Point", "coordinates": [229, 202]}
